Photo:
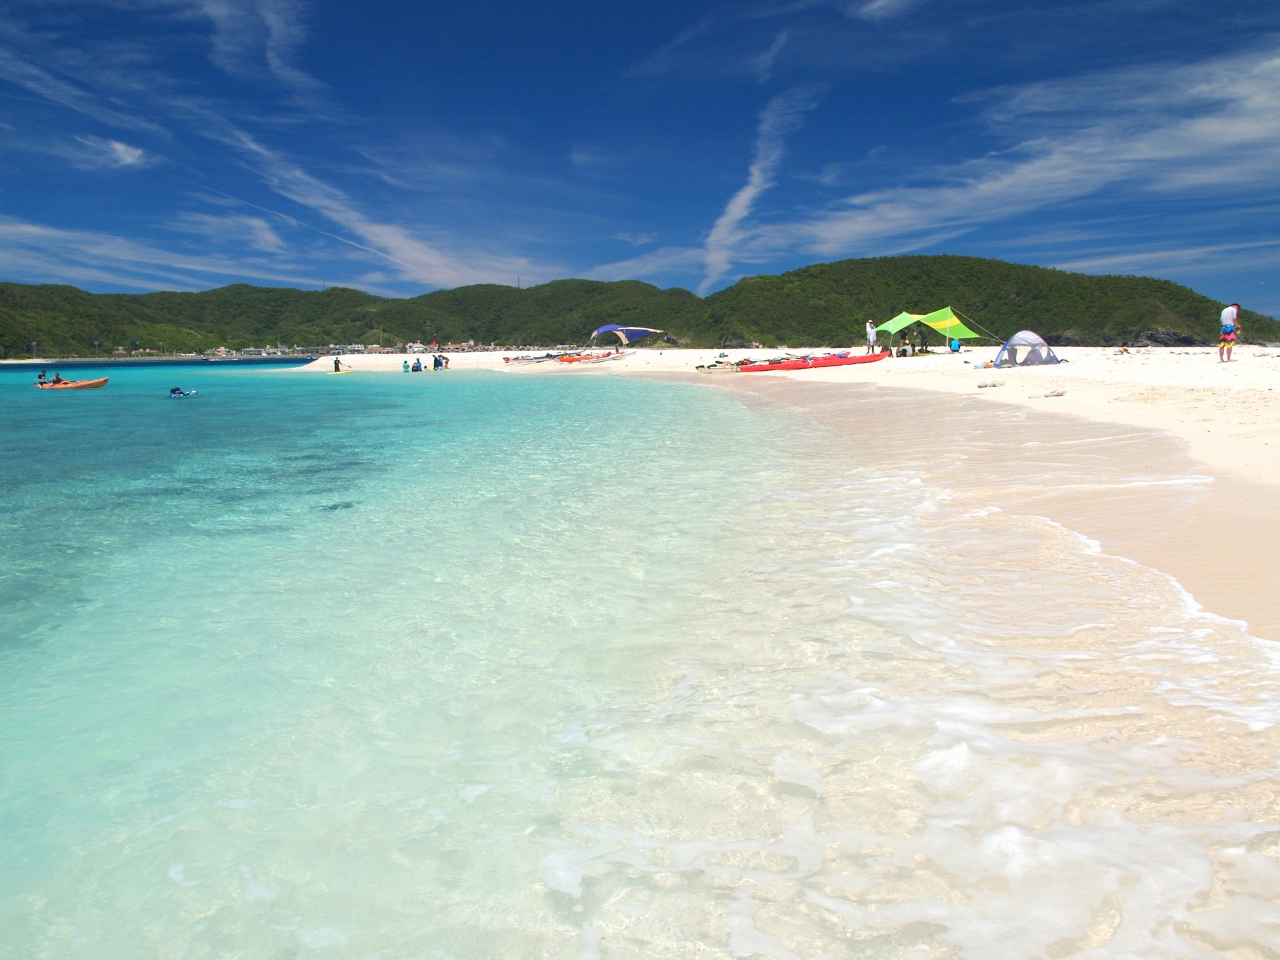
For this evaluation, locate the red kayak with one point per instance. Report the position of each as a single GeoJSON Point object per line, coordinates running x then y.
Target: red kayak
{"type": "Point", "coordinates": [73, 384]}
{"type": "Point", "coordinates": [808, 363]}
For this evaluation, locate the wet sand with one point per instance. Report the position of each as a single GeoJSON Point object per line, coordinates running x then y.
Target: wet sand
{"type": "Point", "coordinates": [1150, 501]}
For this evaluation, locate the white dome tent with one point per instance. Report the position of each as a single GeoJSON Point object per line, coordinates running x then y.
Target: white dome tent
{"type": "Point", "coordinates": [1026, 348]}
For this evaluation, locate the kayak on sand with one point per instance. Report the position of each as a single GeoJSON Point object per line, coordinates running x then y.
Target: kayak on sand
{"type": "Point", "coordinates": [808, 363]}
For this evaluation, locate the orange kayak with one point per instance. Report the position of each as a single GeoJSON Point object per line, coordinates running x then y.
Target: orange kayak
{"type": "Point", "coordinates": [74, 384]}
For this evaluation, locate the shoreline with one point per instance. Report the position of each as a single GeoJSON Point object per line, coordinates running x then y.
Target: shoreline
{"type": "Point", "coordinates": [1188, 415]}
{"type": "Point", "coordinates": [1136, 492]}
{"type": "Point", "coordinates": [1228, 415]}
{"type": "Point", "coordinates": [1225, 418]}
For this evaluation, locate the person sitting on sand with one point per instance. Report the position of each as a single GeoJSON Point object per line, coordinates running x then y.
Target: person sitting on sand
{"type": "Point", "coordinates": [1230, 329]}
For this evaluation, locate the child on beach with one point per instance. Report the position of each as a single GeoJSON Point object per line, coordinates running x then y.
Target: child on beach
{"type": "Point", "coordinates": [1230, 327]}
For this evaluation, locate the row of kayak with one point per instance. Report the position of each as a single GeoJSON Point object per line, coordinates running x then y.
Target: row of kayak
{"type": "Point", "coordinates": [575, 357]}
{"type": "Point", "coordinates": [794, 363]}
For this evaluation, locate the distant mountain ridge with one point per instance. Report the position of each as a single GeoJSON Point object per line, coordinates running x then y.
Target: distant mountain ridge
{"type": "Point", "coordinates": [822, 305]}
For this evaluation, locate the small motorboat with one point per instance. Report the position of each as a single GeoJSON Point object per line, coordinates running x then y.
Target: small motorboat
{"type": "Point", "coordinates": [73, 384]}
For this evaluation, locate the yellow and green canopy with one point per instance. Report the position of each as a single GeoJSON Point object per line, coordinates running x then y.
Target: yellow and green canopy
{"type": "Point", "coordinates": [944, 321]}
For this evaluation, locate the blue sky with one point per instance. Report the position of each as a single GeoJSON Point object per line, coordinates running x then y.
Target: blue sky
{"type": "Point", "coordinates": [401, 147]}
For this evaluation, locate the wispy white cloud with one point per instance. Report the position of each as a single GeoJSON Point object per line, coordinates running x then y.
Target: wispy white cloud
{"type": "Point", "coordinates": [253, 232]}
{"type": "Point", "coordinates": [881, 9]}
{"type": "Point", "coordinates": [38, 251]}
{"type": "Point", "coordinates": [661, 261]}
{"type": "Point", "coordinates": [783, 115]}
{"type": "Point", "coordinates": [659, 60]}
{"type": "Point", "coordinates": [250, 35]}
{"type": "Point", "coordinates": [636, 239]}
{"type": "Point", "coordinates": [763, 64]}
{"type": "Point", "coordinates": [44, 83]}
{"type": "Point", "coordinates": [111, 153]}
{"type": "Point", "coordinates": [1198, 130]}
{"type": "Point", "coordinates": [1162, 258]}
{"type": "Point", "coordinates": [415, 259]}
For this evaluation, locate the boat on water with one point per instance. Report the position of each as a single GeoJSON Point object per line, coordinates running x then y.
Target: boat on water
{"type": "Point", "coordinates": [73, 384]}
{"type": "Point", "coordinates": [808, 363]}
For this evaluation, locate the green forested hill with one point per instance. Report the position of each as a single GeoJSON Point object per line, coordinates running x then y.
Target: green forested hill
{"type": "Point", "coordinates": [822, 305]}
{"type": "Point", "coordinates": [819, 303]}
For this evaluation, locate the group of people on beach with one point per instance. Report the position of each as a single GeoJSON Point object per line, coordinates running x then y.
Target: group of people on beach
{"type": "Point", "coordinates": [438, 362]}
{"type": "Point", "coordinates": [906, 348]}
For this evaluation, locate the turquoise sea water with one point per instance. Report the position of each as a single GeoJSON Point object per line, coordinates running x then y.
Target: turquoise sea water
{"type": "Point", "coordinates": [476, 665]}
{"type": "Point", "coordinates": [312, 619]}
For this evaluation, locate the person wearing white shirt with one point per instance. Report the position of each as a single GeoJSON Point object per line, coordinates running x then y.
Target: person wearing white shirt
{"type": "Point", "coordinates": [1230, 328]}
{"type": "Point", "coordinates": [871, 337]}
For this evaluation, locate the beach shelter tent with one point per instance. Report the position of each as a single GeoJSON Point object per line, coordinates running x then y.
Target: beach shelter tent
{"type": "Point", "coordinates": [628, 335]}
{"type": "Point", "coordinates": [944, 321]}
{"type": "Point", "coordinates": [1025, 348]}
{"type": "Point", "coordinates": [899, 322]}
{"type": "Point", "coordinates": [948, 324]}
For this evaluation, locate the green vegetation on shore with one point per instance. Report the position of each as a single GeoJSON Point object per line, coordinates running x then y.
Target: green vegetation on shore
{"type": "Point", "coordinates": [822, 305]}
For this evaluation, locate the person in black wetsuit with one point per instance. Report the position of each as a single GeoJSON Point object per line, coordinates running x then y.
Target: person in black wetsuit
{"type": "Point", "coordinates": [337, 365]}
{"type": "Point", "coordinates": [42, 377]}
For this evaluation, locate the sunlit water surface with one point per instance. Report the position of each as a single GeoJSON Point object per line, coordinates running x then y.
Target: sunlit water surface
{"type": "Point", "coordinates": [472, 665]}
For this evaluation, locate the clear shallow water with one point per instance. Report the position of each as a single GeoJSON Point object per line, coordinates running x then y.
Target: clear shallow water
{"type": "Point", "coordinates": [458, 666]}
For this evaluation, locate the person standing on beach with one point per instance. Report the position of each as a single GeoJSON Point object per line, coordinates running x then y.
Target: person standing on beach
{"type": "Point", "coordinates": [871, 337]}
{"type": "Point", "coordinates": [1230, 327]}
